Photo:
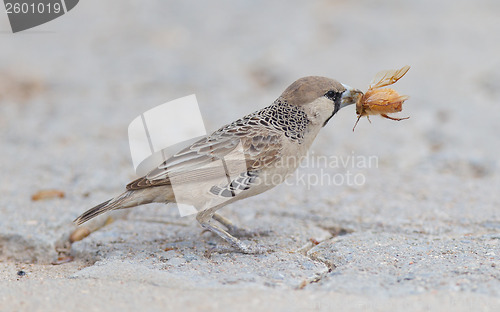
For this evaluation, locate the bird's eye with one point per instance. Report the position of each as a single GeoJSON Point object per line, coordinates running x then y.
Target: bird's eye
{"type": "Point", "coordinates": [332, 95]}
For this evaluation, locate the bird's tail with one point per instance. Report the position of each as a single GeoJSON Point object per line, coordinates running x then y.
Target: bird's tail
{"type": "Point", "coordinates": [125, 200]}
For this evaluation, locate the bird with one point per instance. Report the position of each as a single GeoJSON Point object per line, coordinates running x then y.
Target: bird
{"type": "Point", "coordinates": [242, 159]}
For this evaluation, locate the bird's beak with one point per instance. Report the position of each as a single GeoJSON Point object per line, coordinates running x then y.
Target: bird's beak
{"type": "Point", "coordinates": [350, 96]}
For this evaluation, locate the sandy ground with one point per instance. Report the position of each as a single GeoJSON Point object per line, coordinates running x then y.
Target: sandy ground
{"type": "Point", "coordinates": [422, 232]}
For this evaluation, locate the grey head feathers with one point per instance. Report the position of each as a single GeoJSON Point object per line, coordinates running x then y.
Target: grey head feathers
{"type": "Point", "coordinates": [307, 89]}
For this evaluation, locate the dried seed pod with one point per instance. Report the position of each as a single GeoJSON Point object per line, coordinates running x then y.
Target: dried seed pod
{"type": "Point", "coordinates": [47, 194]}
{"type": "Point", "coordinates": [79, 234]}
{"type": "Point", "coordinates": [382, 101]}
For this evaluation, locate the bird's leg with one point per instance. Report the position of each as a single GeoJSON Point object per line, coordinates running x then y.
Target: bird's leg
{"type": "Point", "coordinates": [231, 228]}
{"type": "Point", "coordinates": [204, 218]}
{"type": "Point", "coordinates": [393, 118]}
{"type": "Point", "coordinates": [236, 230]}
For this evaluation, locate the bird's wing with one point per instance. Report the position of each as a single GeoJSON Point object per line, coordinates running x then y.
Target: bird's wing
{"type": "Point", "coordinates": [238, 147]}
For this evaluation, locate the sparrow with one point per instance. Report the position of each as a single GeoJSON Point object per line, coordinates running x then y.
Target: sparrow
{"type": "Point", "coordinates": [244, 158]}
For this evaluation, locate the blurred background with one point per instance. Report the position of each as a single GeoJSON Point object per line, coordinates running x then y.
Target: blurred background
{"type": "Point", "coordinates": [69, 89]}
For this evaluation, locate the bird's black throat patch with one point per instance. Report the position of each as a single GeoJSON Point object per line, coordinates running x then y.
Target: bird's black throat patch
{"type": "Point", "coordinates": [335, 110]}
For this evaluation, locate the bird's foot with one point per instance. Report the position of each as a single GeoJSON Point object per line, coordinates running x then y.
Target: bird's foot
{"type": "Point", "coordinates": [238, 231]}
{"type": "Point", "coordinates": [243, 232]}
{"type": "Point", "coordinates": [242, 247]}
{"type": "Point", "coordinates": [252, 248]}
{"type": "Point", "coordinates": [206, 216]}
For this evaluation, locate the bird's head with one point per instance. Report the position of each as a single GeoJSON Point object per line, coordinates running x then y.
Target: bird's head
{"type": "Point", "coordinates": [320, 97]}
